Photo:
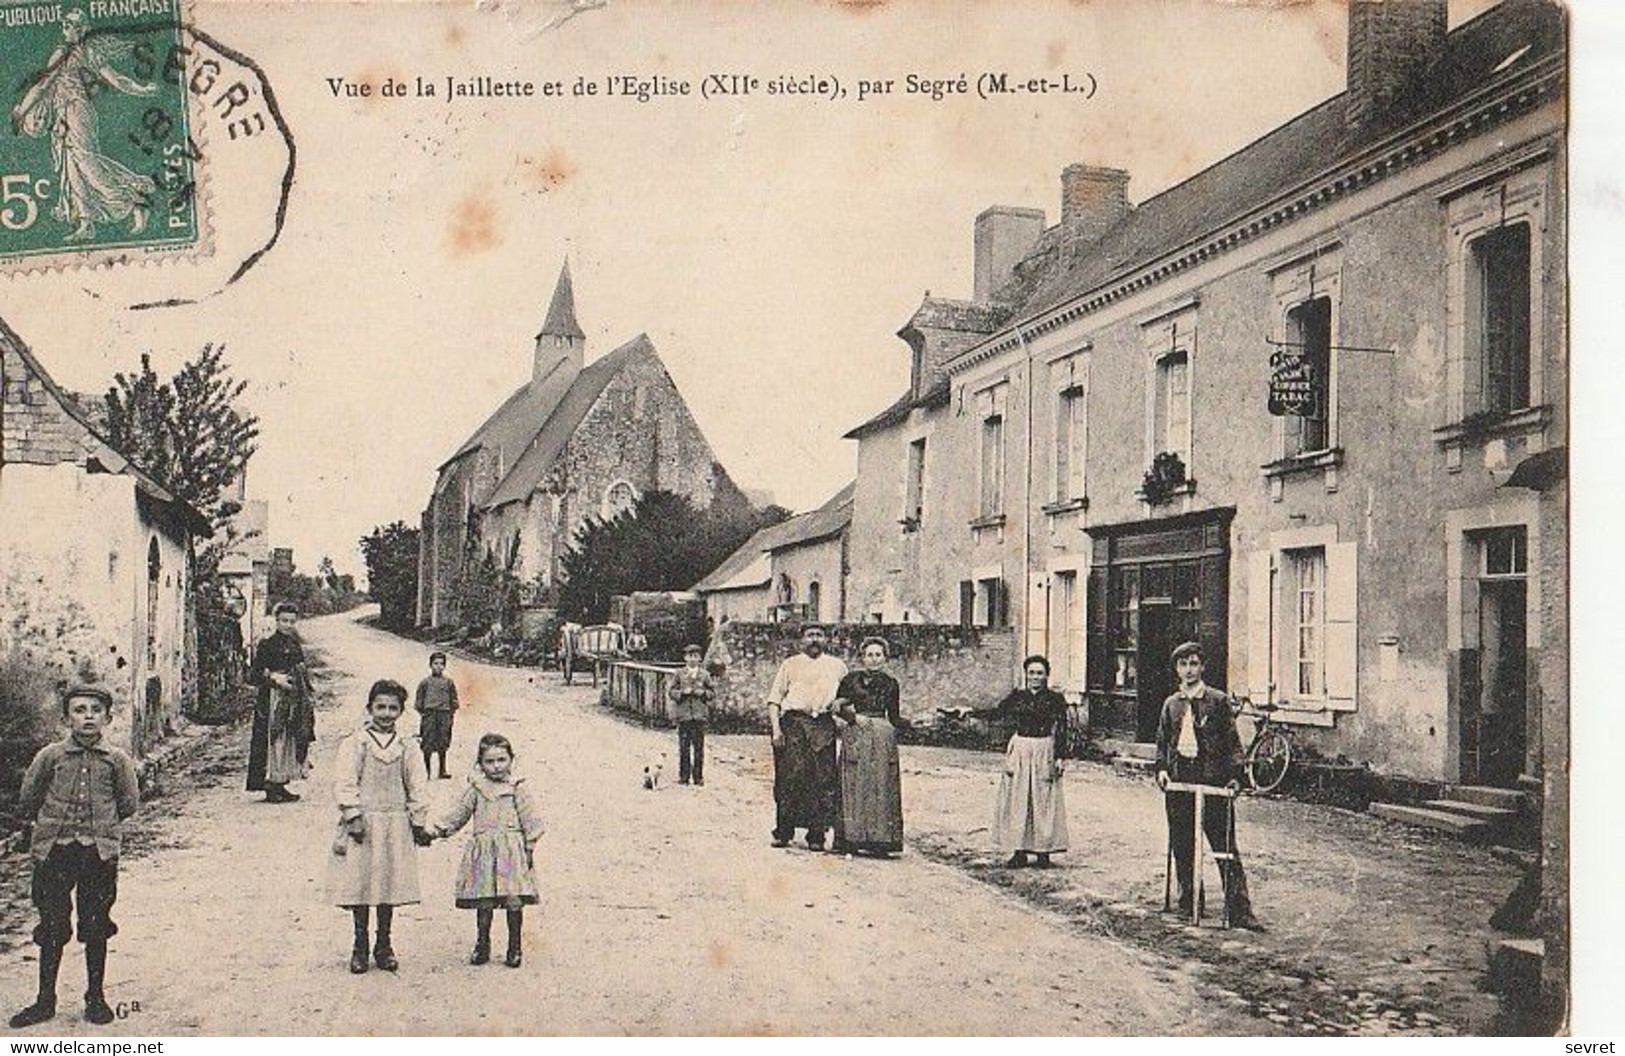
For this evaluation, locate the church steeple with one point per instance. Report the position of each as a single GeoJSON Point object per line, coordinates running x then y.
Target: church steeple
{"type": "Point", "coordinates": [560, 342]}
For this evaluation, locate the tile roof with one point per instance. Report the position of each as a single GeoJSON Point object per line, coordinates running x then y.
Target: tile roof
{"type": "Point", "coordinates": [543, 432]}
{"type": "Point", "coordinates": [1501, 43]}
{"type": "Point", "coordinates": [750, 565]}
{"type": "Point", "coordinates": [936, 396]}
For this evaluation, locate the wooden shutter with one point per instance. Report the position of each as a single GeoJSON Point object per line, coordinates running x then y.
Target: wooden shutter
{"type": "Point", "coordinates": [1260, 582]}
{"type": "Point", "coordinates": [1342, 645]}
{"type": "Point", "coordinates": [1097, 664]}
{"type": "Point", "coordinates": [1037, 615]}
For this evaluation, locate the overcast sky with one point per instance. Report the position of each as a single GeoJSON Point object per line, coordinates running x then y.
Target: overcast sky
{"type": "Point", "coordinates": [770, 247]}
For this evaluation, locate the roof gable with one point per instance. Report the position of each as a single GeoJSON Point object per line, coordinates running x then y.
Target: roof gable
{"type": "Point", "coordinates": [749, 566]}
{"type": "Point", "coordinates": [552, 432]}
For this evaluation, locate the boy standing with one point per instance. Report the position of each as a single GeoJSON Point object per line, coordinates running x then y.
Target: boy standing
{"type": "Point", "coordinates": [78, 791]}
{"type": "Point", "coordinates": [691, 693]}
{"type": "Point", "coordinates": [1197, 744]}
{"type": "Point", "coordinates": [436, 706]}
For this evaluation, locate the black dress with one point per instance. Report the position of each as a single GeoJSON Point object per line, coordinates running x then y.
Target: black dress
{"type": "Point", "coordinates": [278, 654]}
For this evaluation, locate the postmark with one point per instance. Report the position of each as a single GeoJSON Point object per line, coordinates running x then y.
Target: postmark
{"type": "Point", "coordinates": [98, 159]}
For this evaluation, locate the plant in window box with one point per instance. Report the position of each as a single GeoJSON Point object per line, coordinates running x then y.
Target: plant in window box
{"type": "Point", "coordinates": [1480, 421]}
{"type": "Point", "coordinates": [1163, 479]}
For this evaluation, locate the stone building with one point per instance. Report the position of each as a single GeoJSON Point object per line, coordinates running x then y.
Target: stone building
{"type": "Point", "coordinates": [1086, 452]}
{"type": "Point", "coordinates": [576, 441]}
{"type": "Point", "coordinates": [95, 557]}
{"type": "Point", "coordinates": [791, 572]}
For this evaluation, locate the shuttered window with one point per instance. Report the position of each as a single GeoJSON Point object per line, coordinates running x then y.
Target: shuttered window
{"type": "Point", "coordinates": [1302, 647]}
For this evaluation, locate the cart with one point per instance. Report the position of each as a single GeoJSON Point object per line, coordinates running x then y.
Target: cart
{"type": "Point", "coordinates": [590, 648]}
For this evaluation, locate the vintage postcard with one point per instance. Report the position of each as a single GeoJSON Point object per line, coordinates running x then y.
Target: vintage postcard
{"type": "Point", "coordinates": [887, 517]}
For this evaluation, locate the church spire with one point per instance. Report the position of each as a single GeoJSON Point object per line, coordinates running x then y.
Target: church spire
{"type": "Point", "coordinates": [561, 313]}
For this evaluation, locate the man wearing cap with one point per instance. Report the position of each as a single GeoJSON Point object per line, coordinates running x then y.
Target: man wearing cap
{"type": "Point", "coordinates": [1197, 744]}
{"type": "Point", "coordinates": [800, 708]}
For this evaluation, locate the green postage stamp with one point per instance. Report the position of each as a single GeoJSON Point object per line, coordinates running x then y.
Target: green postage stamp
{"type": "Point", "coordinates": [97, 157]}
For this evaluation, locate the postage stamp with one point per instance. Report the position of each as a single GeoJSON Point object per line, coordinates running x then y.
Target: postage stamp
{"type": "Point", "coordinates": [98, 158]}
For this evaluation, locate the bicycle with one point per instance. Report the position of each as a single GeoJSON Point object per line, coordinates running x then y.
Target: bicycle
{"type": "Point", "coordinates": [1270, 754]}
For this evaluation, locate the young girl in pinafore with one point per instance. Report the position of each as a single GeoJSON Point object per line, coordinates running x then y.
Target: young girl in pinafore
{"type": "Point", "coordinates": [381, 787]}
{"type": "Point", "coordinates": [498, 868]}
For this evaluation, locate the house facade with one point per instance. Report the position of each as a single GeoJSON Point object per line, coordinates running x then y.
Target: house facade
{"type": "Point", "coordinates": [1087, 451]}
{"type": "Point", "coordinates": [576, 441]}
{"type": "Point", "coordinates": [791, 572]}
{"type": "Point", "coordinates": [95, 558]}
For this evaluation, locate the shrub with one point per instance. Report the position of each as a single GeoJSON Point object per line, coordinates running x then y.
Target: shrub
{"type": "Point", "coordinates": [28, 721]}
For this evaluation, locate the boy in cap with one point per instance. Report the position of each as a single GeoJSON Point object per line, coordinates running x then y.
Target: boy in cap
{"type": "Point", "coordinates": [78, 790]}
{"type": "Point", "coordinates": [691, 692]}
{"type": "Point", "coordinates": [436, 705]}
{"type": "Point", "coordinates": [1197, 744]}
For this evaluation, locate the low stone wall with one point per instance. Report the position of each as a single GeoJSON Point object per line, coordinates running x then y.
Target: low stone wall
{"type": "Point", "coordinates": [936, 666]}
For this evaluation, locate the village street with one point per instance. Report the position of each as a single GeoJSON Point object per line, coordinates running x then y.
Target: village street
{"type": "Point", "coordinates": [670, 913]}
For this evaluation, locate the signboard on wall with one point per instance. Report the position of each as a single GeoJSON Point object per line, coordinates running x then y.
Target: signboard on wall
{"type": "Point", "coordinates": [1292, 385]}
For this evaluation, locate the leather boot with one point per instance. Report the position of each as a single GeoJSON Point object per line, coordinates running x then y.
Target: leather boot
{"type": "Point", "coordinates": [482, 938]}
{"type": "Point", "coordinates": [44, 1006]}
{"type": "Point", "coordinates": [516, 927]}
{"type": "Point", "coordinates": [358, 952]}
{"type": "Point", "coordinates": [383, 954]}
{"type": "Point", "coordinates": [96, 1008]}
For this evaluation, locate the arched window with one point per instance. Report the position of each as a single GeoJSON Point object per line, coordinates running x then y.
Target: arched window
{"type": "Point", "coordinates": [785, 590]}
{"type": "Point", "coordinates": [619, 498]}
{"type": "Point", "coordinates": [814, 595]}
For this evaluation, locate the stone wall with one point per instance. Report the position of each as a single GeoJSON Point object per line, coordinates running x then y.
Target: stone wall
{"type": "Point", "coordinates": [936, 666]}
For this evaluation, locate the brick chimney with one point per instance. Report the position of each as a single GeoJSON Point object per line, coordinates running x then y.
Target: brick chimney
{"type": "Point", "coordinates": [1005, 234]}
{"type": "Point", "coordinates": [1093, 198]}
{"type": "Point", "coordinates": [1392, 44]}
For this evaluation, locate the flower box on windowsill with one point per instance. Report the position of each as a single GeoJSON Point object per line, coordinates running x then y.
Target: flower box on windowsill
{"type": "Point", "coordinates": [1066, 506]}
{"type": "Point", "coordinates": [1485, 425]}
{"type": "Point", "coordinates": [992, 520]}
{"type": "Point", "coordinates": [1308, 462]}
{"type": "Point", "coordinates": [1184, 487]}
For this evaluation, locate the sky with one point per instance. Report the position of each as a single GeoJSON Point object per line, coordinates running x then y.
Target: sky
{"type": "Point", "coordinates": [770, 246]}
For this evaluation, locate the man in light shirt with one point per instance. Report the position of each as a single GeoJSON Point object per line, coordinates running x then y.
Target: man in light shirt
{"type": "Point", "coordinates": [800, 706]}
{"type": "Point", "coordinates": [1197, 744]}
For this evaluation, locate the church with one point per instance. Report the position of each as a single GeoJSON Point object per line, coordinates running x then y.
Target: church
{"type": "Point", "coordinates": [576, 441]}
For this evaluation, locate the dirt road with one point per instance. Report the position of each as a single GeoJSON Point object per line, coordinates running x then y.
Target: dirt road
{"type": "Point", "coordinates": [664, 913]}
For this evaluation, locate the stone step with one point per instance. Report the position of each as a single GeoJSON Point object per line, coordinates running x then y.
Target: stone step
{"type": "Point", "coordinates": [1444, 821]}
{"type": "Point", "coordinates": [1130, 762]}
{"type": "Point", "coordinates": [1506, 798]}
{"type": "Point", "coordinates": [1515, 965]}
{"type": "Point", "coordinates": [1489, 815]}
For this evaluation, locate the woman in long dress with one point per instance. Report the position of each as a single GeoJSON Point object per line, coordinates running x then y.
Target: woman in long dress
{"type": "Point", "coordinates": [1030, 814]}
{"type": "Point", "coordinates": [871, 815]}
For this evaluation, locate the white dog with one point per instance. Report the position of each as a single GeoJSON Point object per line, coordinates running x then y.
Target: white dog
{"type": "Point", "coordinates": [652, 771]}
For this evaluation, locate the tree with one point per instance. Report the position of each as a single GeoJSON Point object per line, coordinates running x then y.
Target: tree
{"type": "Point", "coordinates": [662, 543]}
{"type": "Point", "coordinates": [187, 432]}
{"type": "Point", "coordinates": [391, 554]}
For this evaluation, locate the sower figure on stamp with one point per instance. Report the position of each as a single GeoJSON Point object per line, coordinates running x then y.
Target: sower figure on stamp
{"type": "Point", "coordinates": [78, 792]}
{"type": "Point", "coordinates": [800, 706]}
{"type": "Point", "coordinates": [1197, 744]}
{"type": "Point", "coordinates": [284, 719]}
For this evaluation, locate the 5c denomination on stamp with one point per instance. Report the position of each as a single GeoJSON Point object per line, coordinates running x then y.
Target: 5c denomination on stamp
{"type": "Point", "coordinates": [97, 159]}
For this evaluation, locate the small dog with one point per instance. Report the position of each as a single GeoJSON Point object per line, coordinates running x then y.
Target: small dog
{"type": "Point", "coordinates": [652, 772]}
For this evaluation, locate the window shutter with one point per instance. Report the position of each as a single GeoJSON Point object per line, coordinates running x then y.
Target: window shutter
{"type": "Point", "coordinates": [1342, 645]}
{"type": "Point", "coordinates": [1259, 664]}
{"type": "Point", "coordinates": [1037, 614]}
{"type": "Point", "coordinates": [1095, 605]}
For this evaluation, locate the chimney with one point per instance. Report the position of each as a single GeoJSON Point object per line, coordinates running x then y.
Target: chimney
{"type": "Point", "coordinates": [560, 342]}
{"type": "Point", "coordinates": [1005, 234]}
{"type": "Point", "coordinates": [1392, 44]}
{"type": "Point", "coordinates": [1093, 198]}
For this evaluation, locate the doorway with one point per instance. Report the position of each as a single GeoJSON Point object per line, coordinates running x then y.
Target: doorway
{"type": "Point", "coordinates": [1495, 740]}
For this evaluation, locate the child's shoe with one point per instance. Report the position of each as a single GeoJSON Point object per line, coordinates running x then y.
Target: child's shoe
{"type": "Point", "coordinates": [515, 959]}
{"type": "Point", "coordinates": [358, 961]}
{"type": "Point", "coordinates": [481, 954]}
{"type": "Point", "coordinates": [384, 957]}
{"type": "Point", "coordinates": [40, 1011]}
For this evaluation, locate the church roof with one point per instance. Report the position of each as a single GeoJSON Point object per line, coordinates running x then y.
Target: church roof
{"type": "Point", "coordinates": [561, 312]}
{"type": "Point", "coordinates": [544, 433]}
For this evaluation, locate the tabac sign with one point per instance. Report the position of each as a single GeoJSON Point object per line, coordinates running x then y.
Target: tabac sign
{"type": "Point", "coordinates": [1292, 385]}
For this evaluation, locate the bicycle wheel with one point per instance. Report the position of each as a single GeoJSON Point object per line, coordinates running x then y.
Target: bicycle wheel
{"type": "Point", "coordinates": [1268, 761]}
